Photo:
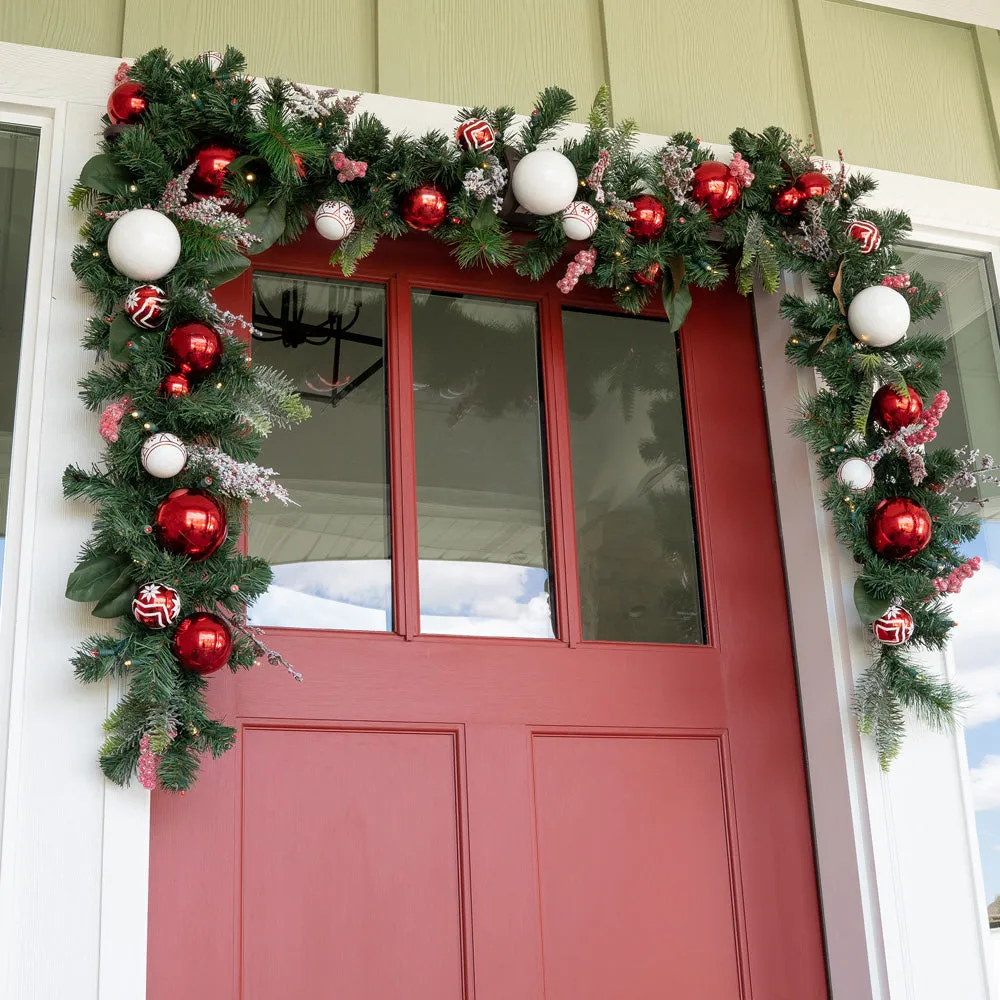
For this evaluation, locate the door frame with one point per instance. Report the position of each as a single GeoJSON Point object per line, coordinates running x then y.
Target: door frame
{"type": "Point", "coordinates": [75, 849]}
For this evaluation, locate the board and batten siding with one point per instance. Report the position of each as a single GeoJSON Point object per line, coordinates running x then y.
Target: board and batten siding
{"type": "Point", "coordinates": [896, 90]}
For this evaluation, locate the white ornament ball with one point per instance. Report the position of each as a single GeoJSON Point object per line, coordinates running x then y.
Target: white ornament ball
{"type": "Point", "coordinates": [579, 221]}
{"type": "Point", "coordinates": [334, 220]}
{"type": "Point", "coordinates": [163, 455]}
{"type": "Point", "coordinates": [878, 316]}
{"type": "Point", "coordinates": [544, 182]}
{"type": "Point", "coordinates": [144, 244]}
{"type": "Point", "coordinates": [856, 474]}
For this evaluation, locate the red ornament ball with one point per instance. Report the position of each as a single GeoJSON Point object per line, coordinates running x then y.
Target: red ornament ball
{"type": "Point", "coordinates": [475, 133]}
{"type": "Point", "coordinates": [647, 219]}
{"type": "Point", "coordinates": [126, 103]}
{"type": "Point", "coordinates": [788, 201]}
{"type": "Point", "coordinates": [898, 528]}
{"type": "Point", "coordinates": [202, 643]}
{"type": "Point", "coordinates": [156, 605]}
{"type": "Point", "coordinates": [813, 184]}
{"type": "Point", "coordinates": [145, 305]}
{"type": "Point", "coordinates": [894, 627]}
{"type": "Point", "coordinates": [175, 385]}
{"type": "Point", "coordinates": [893, 410]}
{"type": "Point", "coordinates": [866, 233]}
{"type": "Point", "coordinates": [715, 188]}
{"type": "Point", "coordinates": [190, 523]}
{"type": "Point", "coordinates": [211, 164]}
{"type": "Point", "coordinates": [424, 208]}
{"type": "Point", "coordinates": [194, 348]}
{"type": "Point", "coordinates": [648, 276]}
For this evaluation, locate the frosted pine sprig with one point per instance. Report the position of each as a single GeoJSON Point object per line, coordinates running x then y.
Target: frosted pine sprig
{"type": "Point", "coordinates": [677, 173]}
{"type": "Point", "coordinates": [595, 179]}
{"type": "Point", "coordinates": [908, 441]}
{"type": "Point", "coordinates": [210, 212]}
{"type": "Point", "coordinates": [241, 480]}
{"type": "Point", "coordinates": [319, 102]}
{"type": "Point", "coordinates": [486, 181]}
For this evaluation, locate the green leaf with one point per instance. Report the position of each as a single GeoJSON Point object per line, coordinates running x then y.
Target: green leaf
{"type": "Point", "coordinates": [121, 333]}
{"type": "Point", "coordinates": [102, 174]}
{"type": "Point", "coordinates": [93, 576]}
{"type": "Point", "coordinates": [225, 269]}
{"type": "Point", "coordinates": [117, 599]}
{"type": "Point", "coordinates": [869, 608]}
{"type": "Point", "coordinates": [266, 222]}
{"type": "Point", "coordinates": [680, 307]}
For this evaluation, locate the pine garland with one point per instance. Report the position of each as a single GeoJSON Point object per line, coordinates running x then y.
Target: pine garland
{"type": "Point", "coordinates": [298, 148]}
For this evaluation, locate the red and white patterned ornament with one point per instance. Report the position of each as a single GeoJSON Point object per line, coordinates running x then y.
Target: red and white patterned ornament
{"type": "Point", "coordinates": [474, 133]}
{"type": "Point", "coordinates": [213, 60]}
{"type": "Point", "coordinates": [867, 234]}
{"type": "Point", "coordinates": [579, 220]}
{"type": "Point", "coordinates": [145, 305]}
{"type": "Point", "coordinates": [894, 627]}
{"type": "Point", "coordinates": [334, 220]}
{"type": "Point", "coordinates": [163, 455]}
{"type": "Point", "coordinates": [156, 605]}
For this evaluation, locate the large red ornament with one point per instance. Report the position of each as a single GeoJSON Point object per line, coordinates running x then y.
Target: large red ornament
{"type": "Point", "coordinates": [899, 528]}
{"type": "Point", "coordinates": [715, 187]}
{"type": "Point", "coordinates": [894, 410]}
{"type": "Point", "coordinates": [190, 523]}
{"type": "Point", "coordinates": [202, 643]}
{"type": "Point", "coordinates": [156, 605]}
{"type": "Point", "coordinates": [145, 305]}
{"type": "Point", "coordinates": [211, 164]}
{"type": "Point", "coordinates": [194, 348]}
{"type": "Point", "coordinates": [647, 219]}
{"type": "Point", "coordinates": [475, 133]}
{"type": "Point", "coordinates": [787, 202]}
{"type": "Point", "coordinates": [813, 184]}
{"type": "Point", "coordinates": [424, 208]}
{"type": "Point", "coordinates": [174, 385]}
{"type": "Point", "coordinates": [894, 627]}
{"type": "Point", "coordinates": [126, 103]}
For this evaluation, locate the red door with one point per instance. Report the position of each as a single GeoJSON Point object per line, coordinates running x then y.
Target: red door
{"type": "Point", "coordinates": [601, 793]}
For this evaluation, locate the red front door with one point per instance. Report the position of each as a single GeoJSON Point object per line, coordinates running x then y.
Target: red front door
{"type": "Point", "coordinates": [592, 787]}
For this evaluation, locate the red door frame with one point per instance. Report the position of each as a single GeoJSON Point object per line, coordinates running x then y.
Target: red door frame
{"type": "Point", "coordinates": [740, 685]}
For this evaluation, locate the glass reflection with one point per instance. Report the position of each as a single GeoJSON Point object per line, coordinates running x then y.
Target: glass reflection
{"type": "Point", "coordinates": [481, 492]}
{"type": "Point", "coordinates": [635, 531]}
{"type": "Point", "coordinates": [331, 552]}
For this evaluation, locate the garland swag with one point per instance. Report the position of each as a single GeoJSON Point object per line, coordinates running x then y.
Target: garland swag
{"type": "Point", "coordinates": [671, 219]}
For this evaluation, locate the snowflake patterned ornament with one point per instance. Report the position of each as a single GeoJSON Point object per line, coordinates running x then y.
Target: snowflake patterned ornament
{"type": "Point", "coordinates": [156, 605]}
{"type": "Point", "coordinates": [894, 627]}
{"type": "Point", "coordinates": [145, 305]}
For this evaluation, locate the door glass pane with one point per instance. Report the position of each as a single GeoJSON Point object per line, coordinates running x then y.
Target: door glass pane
{"type": "Point", "coordinates": [481, 492]}
{"type": "Point", "coordinates": [18, 160]}
{"type": "Point", "coordinates": [331, 552]}
{"type": "Point", "coordinates": [635, 530]}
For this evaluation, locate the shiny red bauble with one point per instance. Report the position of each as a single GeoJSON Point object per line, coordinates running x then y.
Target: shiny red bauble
{"type": "Point", "coordinates": [893, 410]}
{"type": "Point", "coordinates": [786, 202]}
{"type": "Point", "coordinates": [126, 103]}
{"type": "Point", "coordinates": [211, 163]}
{"type": "Point", "coordinates": [202, 643]}
{"type": "Point", "coordinates": [194, 348]}
{"type": "Point", "coordinates": [894, 627]}
{"type": "Point", "coordinates": [174, 385]}
{"type": "Point", "coordinates": [898, 528]}
{"type": "Point", "coordinates": [715, 187]}
{"type": "Point", "coordinates": [813, 184]}
{"type": "Point", "coordinates": [647, 218]}
{"type": "Point", "coordinates": [648, 276]}
{"type": "Point", "coordinates": [424, 208]}
{"type": "Point", "coordinates": [190, 523]}
{"type": "Point", "coordinates": [156, 605]}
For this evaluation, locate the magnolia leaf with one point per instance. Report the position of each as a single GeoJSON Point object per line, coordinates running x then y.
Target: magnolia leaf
{"type": "Point", "coordinates": [679, 307]}
{"type": "Point", "coordinates": [485, 218]}
{"type": "Point", "coordinates": [266, 222]}
{"type": "Point", "coordinates": [102, 174]}
{"type": "Point", "coordinates": [225, 269]}
{"type": "Point", "coordinates": [121, 335]}
{"type": "Point", "coordinates": [92, 577]}
{"type": "Point", "coordinates": [832, 335]}
{"type": "Point", "coordinates": [869, 608]}
{"type": "Point", "coordinates": [117, 598]}
{"type": "Point", "coordinates": [677, 268]}
{"type": "Point", "coordinates": [838, 288]}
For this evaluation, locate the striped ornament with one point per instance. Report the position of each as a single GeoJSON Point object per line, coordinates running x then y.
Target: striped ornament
{"type": "Point", "coordinates": [474, 133]}
{"type": "Point", "coordinates": [145, 305]}
{"type": "Point", "coordinates": [894, 627]}
{"type": "Point", "coordinates": [156, 605]}
{"type": "Point", "coordinates": [867, 234]}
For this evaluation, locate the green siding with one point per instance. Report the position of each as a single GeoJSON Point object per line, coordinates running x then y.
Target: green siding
{"type": "Point", "coordinates": [893, 90]}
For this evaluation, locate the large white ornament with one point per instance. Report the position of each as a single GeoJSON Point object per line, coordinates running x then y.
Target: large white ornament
{"type": "Point", "coordinates": [544, 182]}
{"type": "Point", "coordinates": [163, 455]}
{"type": "Point", "coordinates": [878, 316]}
{"type": "Point", "coordinates": [579, 221]}
{"type": "Point", "coordinates": [334, 220]}
{"type": "Point", "coordinates": [856, 474]}
{"type": "Point", "coordinates": [144, 244]}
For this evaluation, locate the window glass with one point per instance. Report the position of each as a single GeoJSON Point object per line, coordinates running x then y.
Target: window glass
{"type": "Point", "coordinates": [331, 552]}
{"type": "Point", "coordinates": [481, 492]}
{"type": "Point", "coordinates": [635, 531]}
{"type": "Point", "coordinates": [18, 161]}
{"type": "Point", "coordinates": [971, 375]}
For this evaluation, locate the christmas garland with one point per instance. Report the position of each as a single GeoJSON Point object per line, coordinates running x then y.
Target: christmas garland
{"type": "Point", "coordinates": [202, 165]}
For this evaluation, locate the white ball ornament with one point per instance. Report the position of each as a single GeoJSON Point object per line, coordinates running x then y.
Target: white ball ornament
{"type": "Point", "coordinates": [334, 220]}
{"type": "Point", "coordinates": [163, 455]}
{"type": "Point", "coordinates": [144, 244]}
{"type": "Point", "coordinates": [878, 316]}
{"type": "Point", "coordinates": [579, 221]}
{"type": "Point", "coordinates": [856, 474]}
{"type": "Point", "coordinates": [544, 182]}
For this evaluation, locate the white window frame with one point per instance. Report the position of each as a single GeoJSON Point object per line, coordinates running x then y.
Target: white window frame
{"type": "Point", "coordinates": [984, 13]}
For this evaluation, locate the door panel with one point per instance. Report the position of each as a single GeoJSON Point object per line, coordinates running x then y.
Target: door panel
{"type": "Point", "coordinates": [514, 817]}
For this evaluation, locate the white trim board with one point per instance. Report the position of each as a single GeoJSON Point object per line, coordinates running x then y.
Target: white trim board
{"type": "Point", "coordinates": [985, 13]}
